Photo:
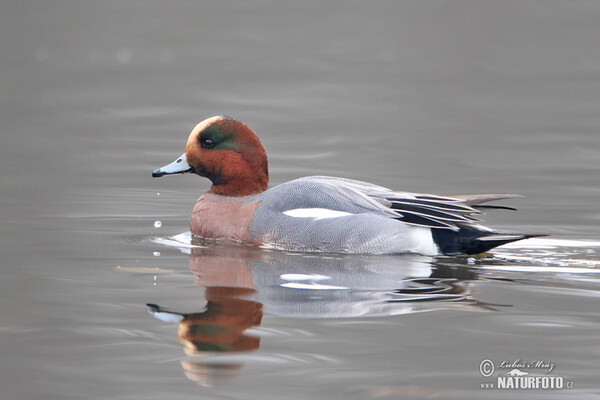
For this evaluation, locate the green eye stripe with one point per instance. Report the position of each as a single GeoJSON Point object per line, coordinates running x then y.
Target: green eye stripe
{"type": "Point", "coordinates": [221, 139]}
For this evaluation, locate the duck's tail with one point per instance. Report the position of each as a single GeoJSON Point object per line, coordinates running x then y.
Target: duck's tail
{"type": "Point", "coordinates": [472, 239]}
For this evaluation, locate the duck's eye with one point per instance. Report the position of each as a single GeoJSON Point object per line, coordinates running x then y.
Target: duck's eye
{"type": "Point", "coordinates": [208, 143]}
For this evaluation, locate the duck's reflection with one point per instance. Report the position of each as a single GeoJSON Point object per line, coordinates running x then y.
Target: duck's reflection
{"type": "Point", "coordinates": [240, 282]}
{"type": "Point", "coordinates": [220, 325]}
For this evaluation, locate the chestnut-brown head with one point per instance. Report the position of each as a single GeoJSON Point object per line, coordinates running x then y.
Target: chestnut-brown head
{"type": "Point", "coordinates": [228, 153]}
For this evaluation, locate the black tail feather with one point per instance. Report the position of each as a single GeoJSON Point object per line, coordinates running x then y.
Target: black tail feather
{"type": "Point", "coordinates": [473, 240]}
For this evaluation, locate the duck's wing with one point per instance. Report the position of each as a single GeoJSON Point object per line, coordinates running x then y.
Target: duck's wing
{"type": "Point", "coordinates": [447, 210]}
{"type": "Point", "coordinates": [432, 211]}
{"type": "Point", "coordinates": [475, 200]}
{"type": "Point", "coordinates": [356, 197]}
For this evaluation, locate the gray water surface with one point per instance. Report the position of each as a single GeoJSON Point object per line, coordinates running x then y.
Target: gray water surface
{"type": "Point", "coordinates": [434, 97]}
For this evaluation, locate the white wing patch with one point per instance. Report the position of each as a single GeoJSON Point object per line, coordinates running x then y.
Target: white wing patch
{"type": "Point", "coordinates": [316, 213]}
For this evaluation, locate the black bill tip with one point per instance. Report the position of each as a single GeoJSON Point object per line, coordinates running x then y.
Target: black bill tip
{"type": "Point", "coordinates": [158, 173]}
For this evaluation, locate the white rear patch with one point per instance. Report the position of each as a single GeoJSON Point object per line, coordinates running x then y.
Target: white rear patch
{"type": "Point", "coordinates": [316, 213]}
{"type": "Point", "coordinates": [422, 240]}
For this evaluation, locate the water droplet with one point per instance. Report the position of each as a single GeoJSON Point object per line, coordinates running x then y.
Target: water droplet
{"type": "Point", "coordinates": [157, 224]}
{"type": "Point", "coordinates": [158, 194]}
{"type": "Point", "coordinates": [156, 254]}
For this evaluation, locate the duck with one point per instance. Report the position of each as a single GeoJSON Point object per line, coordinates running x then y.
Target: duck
{"type": "Point", "coordinates": [321, 213]}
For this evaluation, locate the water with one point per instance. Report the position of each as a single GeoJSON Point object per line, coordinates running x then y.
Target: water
{"type": "Point", "coordinates": [442, 97]}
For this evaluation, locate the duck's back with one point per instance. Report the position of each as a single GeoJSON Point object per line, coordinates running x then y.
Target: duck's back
{"type": "Point", "coordinates": [334, 215]}
{"type": "Point", "coordinates": [346, 216]}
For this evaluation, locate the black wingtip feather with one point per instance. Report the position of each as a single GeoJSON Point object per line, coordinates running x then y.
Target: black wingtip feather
{"type": "Point", "coordinates": [427, 212]}
{"type": "Point", "coordinates": [425, 222]}
{"type": "Point", "coordinates": [495, 207]}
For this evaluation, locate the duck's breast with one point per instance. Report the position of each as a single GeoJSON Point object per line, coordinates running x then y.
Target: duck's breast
{"type": "Point", "coordinates": [222, 217]}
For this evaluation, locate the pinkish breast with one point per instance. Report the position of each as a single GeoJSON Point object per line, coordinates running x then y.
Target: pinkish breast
{"type": "Point", "coordinates": [221, 217]}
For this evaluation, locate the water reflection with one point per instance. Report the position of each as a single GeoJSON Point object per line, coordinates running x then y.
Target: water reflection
{"type": "Point", "coordinates": [217, 328]}
{"type": "Point", "coordinates": [241, 283]}
{"type": "Point", "coordinates": [335, 286]}
{"type": "Point", "coordinates": [220, 325]}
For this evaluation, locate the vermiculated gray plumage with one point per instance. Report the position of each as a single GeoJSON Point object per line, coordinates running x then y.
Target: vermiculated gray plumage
{"type": "Point", "coordinates": [379, 220]}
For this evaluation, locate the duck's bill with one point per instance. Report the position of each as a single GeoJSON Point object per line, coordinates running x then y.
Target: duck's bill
{"type": "Point", "coordinates": [178, 166]}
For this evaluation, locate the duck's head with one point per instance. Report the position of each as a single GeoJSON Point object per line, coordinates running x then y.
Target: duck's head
{"type": "Point", "coordinates": [228, 153]}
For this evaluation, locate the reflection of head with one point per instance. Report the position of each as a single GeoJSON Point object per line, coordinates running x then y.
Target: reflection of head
{"type": "Point", "coordinates": [221, 327]}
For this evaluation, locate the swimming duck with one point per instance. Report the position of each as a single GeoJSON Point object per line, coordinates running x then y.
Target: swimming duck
{"type": "Point", "coordinates": [321, 213]}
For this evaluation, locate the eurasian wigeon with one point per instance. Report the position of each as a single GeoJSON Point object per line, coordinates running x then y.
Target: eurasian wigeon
{"type": "Point", "coordinates": [320, 213]}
